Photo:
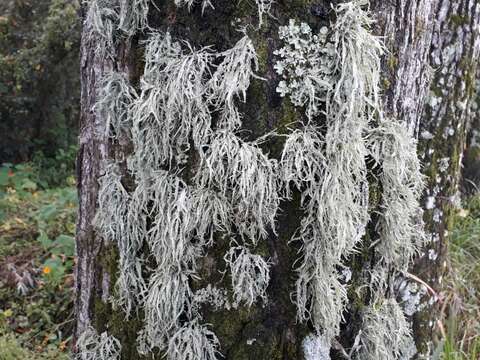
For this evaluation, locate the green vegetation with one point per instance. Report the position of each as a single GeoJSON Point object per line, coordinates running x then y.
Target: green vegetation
{"type": "Point", "coordinates": [39, 108]}
{"type": "Point", "coordinates": [36, 259]}
{"type": "Point", "coordinates": [39, 78]}
{"type": "Point", "coordinates": [462, 297]}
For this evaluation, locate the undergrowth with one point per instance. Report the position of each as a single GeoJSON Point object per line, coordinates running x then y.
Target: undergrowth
{"type": "Point", "coordinates": [36, 259]}
{"type": "Point", "coordinates": [461, 306]}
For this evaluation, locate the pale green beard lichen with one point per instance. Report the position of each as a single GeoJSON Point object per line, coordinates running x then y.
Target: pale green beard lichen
{"type": "Point", "coordinates": [240, 171]}
{"type": "Point", "coordinates": [385, 333]}
{"type": "Point", "coordinates": [400, 227]}
{"type": "Point", "coordinates": [97, 347]}
{"type": "Point", "coordinates": [250, 275]}
{"type": "Point", "coordinates": [115, 96]}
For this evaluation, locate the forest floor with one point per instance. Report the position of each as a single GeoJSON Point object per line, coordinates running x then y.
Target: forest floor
{"type": "Point", "coordinates": [36, 261]}
{"type": "Point", "coordinates": [37, 225]}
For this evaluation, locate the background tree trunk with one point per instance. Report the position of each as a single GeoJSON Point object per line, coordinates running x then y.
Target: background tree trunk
{"type": "Point", "coordinates": [271, 332]}
{"type": "Point", "coordinates": [454, 59]}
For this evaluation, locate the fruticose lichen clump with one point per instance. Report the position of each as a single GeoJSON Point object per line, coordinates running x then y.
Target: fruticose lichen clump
{"type": "Point", "coordinates": [93, 346]}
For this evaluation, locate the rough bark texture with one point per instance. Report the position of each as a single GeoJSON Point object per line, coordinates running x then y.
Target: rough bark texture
{"type": "Point", "coordinates": [470, 180]}
{"type": "Point", "coordinates": [454, 57]}
{"type": "Point", "coordinates": [271, 332]}
{"type": "Point", "coordinates": [407, 27]}
{"type": "Point", "coordinates": [92, 275]}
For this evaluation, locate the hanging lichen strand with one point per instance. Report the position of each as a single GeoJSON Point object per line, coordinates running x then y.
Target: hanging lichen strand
{"type": "Point", "coordinates": [97, 347]}
{"type": "Point", "coordinates": [101, 21]}
{"type": "Point", "coordinates": [339, 70]}
{"type": "Point", "coordinates": [263, 6]}
{"type": "Point", "coordinates": [400, 226]}
{"type": "Point", "coordinates": [385, 333]}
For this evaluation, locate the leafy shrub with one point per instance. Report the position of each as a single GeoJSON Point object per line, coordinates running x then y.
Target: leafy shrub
{"type": "Point", "coordinates": [55, 170]}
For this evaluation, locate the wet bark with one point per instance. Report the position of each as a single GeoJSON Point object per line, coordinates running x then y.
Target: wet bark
{"type": "Point", "coordinates": [271, 331]}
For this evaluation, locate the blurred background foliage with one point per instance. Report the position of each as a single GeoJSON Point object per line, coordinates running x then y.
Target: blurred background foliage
{"type": "Point", "coordinates": [37, 248]}
{"type": "Point", "coordinates": [39, 109]}
{"type": "Point", "coordinates": [39, 80]}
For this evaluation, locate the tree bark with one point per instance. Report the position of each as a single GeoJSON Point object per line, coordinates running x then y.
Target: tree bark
{"type": "Point", "coordinates": [454, 59]}
{"type": "Point", "coordinates": [412, 29]}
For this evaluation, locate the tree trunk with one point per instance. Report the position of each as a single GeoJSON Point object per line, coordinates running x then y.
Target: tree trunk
{"type": "Point", "coordinates": [417, 35]}
{"type": "Point", "coordinates": [454, 59]}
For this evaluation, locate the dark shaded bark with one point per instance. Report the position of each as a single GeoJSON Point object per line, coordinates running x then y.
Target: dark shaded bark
{"type": "Point", "coordinates": [270, 332]}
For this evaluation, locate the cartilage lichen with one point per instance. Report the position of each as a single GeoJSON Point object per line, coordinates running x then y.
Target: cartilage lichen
{"type": "Point", "coordinates": [339, 68]}
{"type": "Point", "coordinates": [102, 21]}
{"type": "Point", "coordinates": [250, 275]}
{"type": "Point", "coordinates": [166, 220]}
{"type": "Point", "coordinates": [133, 16]}
{"type": "Point", "coordinates": [193, 341]}
{"type": "Point", "coordinates": [115, 96]}
{"type": "Point", "coordinates": [168, 296]}
{"type": "Point", "coordinates": [231, 80]}
{"type": "Point", "coordinates": [180, 89]}
{"type": "Point", "coordinates": [263, 6]}
{"type": "Point", "coordinates": [113, 220]}
{"type": "Point", "coordinates": [242, 172]}
{"type": "Point", "coordinates": [211, 295]}
{"type": "Point", "coordinates": [189, 4]}
{"type": "Point", "coordinates": [172, 103]}
{"type": "Point", "coordinates": [400, 226]}
{"type": "Point", "coordinates": [92, 346]}
{"type": "Point", "coordinates": [385, 333]}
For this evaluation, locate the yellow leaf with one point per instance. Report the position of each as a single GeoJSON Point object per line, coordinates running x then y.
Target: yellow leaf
{"type": "Point", "coordinates": [20, 221]}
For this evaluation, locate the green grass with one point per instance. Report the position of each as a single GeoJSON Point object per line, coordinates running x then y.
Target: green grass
{"type": "Point", "coordinates": [462, 313]}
